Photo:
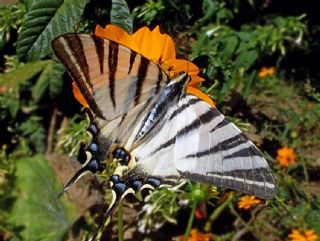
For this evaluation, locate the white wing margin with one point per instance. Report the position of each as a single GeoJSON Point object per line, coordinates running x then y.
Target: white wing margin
{"type": "Point", "coordinates": [210, 149]}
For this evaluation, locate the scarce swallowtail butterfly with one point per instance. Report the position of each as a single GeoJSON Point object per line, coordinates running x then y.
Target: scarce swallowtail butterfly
{"type": "Point", "coordinates": [157, 133]}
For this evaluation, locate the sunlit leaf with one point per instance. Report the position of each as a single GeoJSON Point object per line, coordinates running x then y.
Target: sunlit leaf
{"type": "Point", "coordinates": [46, 20]}
{"type": "Point", "coordinates": [50, 81]}
{"type": "Point", "coordinates": [43, 83]}
{"type": "Point", "coordinates": [22, 74]}
{"type": "Point", "coordinates": [37, 210]}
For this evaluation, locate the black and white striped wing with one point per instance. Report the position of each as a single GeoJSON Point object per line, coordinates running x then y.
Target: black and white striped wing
{"type": "Point", "coordinates": [112, 78]}
{"type": "Point", "coordinates": [155, 155]}
{"type": "Point", "coordinates": [210, 149]}
{"type": "Point", "coordinates": [195, 141]}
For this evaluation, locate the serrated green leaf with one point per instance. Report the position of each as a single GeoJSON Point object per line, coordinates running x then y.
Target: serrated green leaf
{"type": "Point", "coordinates": [22, 74]}
{"type": "Point", "coordinates": [37, 210]}
{"type": "Point", "coordinates": [120, 15]}
{"type": "Point", "coordinates": [46, 20]}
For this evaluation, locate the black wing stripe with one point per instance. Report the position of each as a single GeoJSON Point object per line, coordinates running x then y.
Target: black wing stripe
{"type": "Point", "coordinates": [142, 72]}
{"type": "Point", "coordinates": [113, 64]}
{"type": "Point", "coordinates": [99, 43]}
{"type": "Point", "coordinates": [221, 124]}
{"type": "Point", "coordinates": [123, 119]}
{"type": "Point", "coordinates": [133, 55]}
{"type": "Point", "coordinates": [222, 146]}
{"type": "Point", "coordinates": [75, 44]}
{"type": "Point", "coordinates": [160, 78]}
{"type": "Point", "coordinates": [257, 187]}
{"type": "Point", "coordinates": [183, 107]}
{"type": "Point", "coordinates": [66, 49]}
{"type": "Point", "coordinates": [245, 152]}
{"type": "Point", "coordinates": [204, 118]}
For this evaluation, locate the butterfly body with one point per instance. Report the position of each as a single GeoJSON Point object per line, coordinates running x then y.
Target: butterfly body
{"type": "Point", "coordinates": [155, 131]}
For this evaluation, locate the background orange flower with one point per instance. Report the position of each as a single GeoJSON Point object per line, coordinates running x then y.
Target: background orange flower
{"type": "Point", "coordinates": [286, 156]}
{"type": "Point", "coordinates": [196, 235]}
{"type": "Point", "coordinates": [304, 235]}
{"type": "Point", "coordinates": [265, 71]}
{"type": "Point", "coordinates": [246, 202]}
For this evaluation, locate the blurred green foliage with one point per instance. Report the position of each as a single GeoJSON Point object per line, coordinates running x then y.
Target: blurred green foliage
{"type": "Point", "coordinates": [231, 41]}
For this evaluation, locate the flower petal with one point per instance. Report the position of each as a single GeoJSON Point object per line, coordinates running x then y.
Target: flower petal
{"type": "Point", "coordinates": [176, 66]}
{"type": "Point", "coordinates": [195, 91]}
{"type": "Point", "coordinates": [154, 45]}
{"type": "Point", "coordinates": [116, 34]}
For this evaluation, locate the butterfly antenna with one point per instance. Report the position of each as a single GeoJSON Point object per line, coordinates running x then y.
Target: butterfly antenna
{"type": "Point", "coordinates": [73, 180]}
{"type": "Point", "coordinates": [106, 217]}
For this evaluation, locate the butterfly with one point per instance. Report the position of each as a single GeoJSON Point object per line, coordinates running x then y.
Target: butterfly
{"type": "Point", "coordinates": [156, 132]}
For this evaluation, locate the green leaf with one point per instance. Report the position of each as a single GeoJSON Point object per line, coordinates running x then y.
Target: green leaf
{"type": "Point", "coordinates": [13, 107]}
{"type": "Point", "coordinates": [46, 20]}
{"type": "Point", "coordinates": [56, 81]}
{"type": "Point", "coordinates": [246, 59]}
{"type": "Point", "coordinates": [230, 44]}
{"type": "Point", "coordinates": [22, 74]}
{"type": "Point", "coordinates": [120, 15]}
{"type": "Point", "coordinates": [43, 83]}
{"type": "Point", "coordinates": [50, 81]}
{"type": "Point", "coordinates": [37, 210]}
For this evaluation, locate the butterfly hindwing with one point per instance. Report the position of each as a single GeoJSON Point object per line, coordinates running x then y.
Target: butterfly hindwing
{"type": "Point", "coordinates": [112, 78]}
{"type": "Point", "coordinates": [210, 149]}
{"type": "Point", "coordinates": [195, 141]}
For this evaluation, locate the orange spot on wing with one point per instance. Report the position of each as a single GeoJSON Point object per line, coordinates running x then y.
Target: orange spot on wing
{"type": "Point", "coordinates": [79, 97]}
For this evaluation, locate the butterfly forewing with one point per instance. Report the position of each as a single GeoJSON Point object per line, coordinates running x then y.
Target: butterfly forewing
{"type": "Point", "coordinates": [112, 78]}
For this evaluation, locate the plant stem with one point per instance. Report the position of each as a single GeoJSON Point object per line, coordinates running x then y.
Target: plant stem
{"type": "Point", "coordinates": [218, 211]}
{"type": "Point", "coordinates": [190, 222]}
{"type": "Point", "coordinates": [305, 171]}
{"type": "Point", "coordinates": [120, 222]}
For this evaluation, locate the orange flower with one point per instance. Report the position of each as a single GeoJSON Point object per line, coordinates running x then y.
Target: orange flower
{"type": "Point", "coordinates": [286, 156]}
{"type": "Point", "coordinates": [304, 235]}
{"type": "Point", "coordinates": [265, 71]}
{"type": "Point", "coordinates": [157, 47]}
{"type": "Point", "coordinates": [246, 202]}
{"type": "Point", "coordinates": [196, 235]}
